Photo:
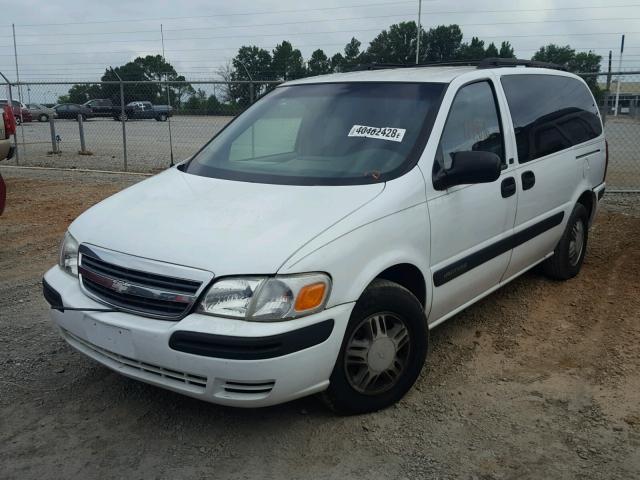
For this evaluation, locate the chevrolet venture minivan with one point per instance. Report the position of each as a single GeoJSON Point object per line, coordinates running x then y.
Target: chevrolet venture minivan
{"type": "Point", "coordinates": [313, 242]}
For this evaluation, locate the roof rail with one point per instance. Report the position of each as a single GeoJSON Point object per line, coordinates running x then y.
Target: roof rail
{"type": "Point", "coordinates": [383, 66]}
{"type": "Point", "coordinates": [516, 62]}
{"type": "Point", "coordinates": [484, 63]}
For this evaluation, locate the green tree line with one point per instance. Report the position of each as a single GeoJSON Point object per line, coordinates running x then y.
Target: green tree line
{"type": "Point", "coordinates": [395, 45]}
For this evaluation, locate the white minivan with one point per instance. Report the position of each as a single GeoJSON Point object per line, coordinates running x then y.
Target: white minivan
{"type": "Point", "coordinates": [312, 243]}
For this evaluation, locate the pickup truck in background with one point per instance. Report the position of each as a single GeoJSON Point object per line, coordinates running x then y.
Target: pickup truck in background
{"type": "Point", "coordinates": [143, 110]}
{"type": "Point", "coordinates": [101, 107]}
{"type": "Point", "coordinates": [7, 128]}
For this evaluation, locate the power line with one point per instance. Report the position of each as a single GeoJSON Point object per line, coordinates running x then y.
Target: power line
{"type": "Point", "coordinates": [316, 21]}
{"type": "Point", "coordinates": [137, 52]}
{"type": "Point", "coordinates": [448, 12]}
{"type": "Point", "coordinates": [220, 15]}
{"type": "Point", "coordinates": [433, 12]}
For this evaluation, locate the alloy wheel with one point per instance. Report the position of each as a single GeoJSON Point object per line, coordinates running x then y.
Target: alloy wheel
{"type": "Point", "coordinates": [377, 353]}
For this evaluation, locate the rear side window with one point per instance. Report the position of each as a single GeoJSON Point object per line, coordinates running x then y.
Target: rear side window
{"type": "Point", "coordinates": [550, 113]}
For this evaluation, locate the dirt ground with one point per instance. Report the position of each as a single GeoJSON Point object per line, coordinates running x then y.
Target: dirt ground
{"type": "Point", "coordinates": [539, 380]}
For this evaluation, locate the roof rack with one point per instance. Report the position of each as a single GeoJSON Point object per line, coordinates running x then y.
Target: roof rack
{"type": "Point", "coordinates": [484, 63]}
{"type": "Point", "coordinates": [516, 62]}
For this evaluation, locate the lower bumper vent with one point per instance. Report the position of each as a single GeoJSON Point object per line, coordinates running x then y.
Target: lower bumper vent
{"type": "Point", "coordinates": [249, 388]}
{"type": "Point", "coordinates": [179, 379]}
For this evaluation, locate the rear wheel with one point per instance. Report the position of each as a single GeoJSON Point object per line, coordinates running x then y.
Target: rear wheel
{"type": "Point", "coordinates": [43, 117]}
{"type": "Point", "coordinates": [18, 120]}
{"type": "Point", "coordinates": [569, 253]}
{"type": "Point", "coordinates": [382, 353]}
{"type": "Point", "coordinates": [162, 117]}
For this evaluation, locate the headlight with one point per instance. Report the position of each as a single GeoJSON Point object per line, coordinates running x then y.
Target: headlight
{"type": "Point", "coordinates": [267, 298]}
{"type": "Point", "coordinates": [68, 260]}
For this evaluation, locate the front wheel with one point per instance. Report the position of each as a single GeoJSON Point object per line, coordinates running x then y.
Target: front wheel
{"type": "Point", "coordinates": [382, 353]}
{"type": "Point", "coordinates": [43, 118]}
{"type": "Point", "coordinates": [162, 117]}
{"type": "Point", "coordinates": [569, 253]}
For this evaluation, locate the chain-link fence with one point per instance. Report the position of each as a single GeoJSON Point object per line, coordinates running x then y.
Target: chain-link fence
{"type": "Point", "coordinates": [147, 126]}
{"type": "Point", "coordinates": [132, 126]}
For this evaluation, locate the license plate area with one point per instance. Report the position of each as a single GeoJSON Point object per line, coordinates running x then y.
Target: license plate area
{"type": "Point", "coordinates": [115, 339]}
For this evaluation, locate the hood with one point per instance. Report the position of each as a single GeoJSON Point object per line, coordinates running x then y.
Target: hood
{"type": "Point", "coordinates": [223, 226]}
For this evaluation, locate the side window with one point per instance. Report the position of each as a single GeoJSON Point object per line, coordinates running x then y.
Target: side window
{"type": "Point", "coordinates": [473, 124]}
{"type": "Point", "coordinates": [550, 113]}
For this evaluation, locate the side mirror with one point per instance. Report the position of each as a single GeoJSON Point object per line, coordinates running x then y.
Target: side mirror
{"type": "Point", "coordinates": [469, 168]}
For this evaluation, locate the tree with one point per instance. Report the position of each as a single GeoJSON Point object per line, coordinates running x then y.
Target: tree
{"type": "Point", "coordinates": [442, 43]}
{"type": "Point", "coordinates": [506, 50]}
{"type": "Point", "coordinates": [318, 64]}
{"type": "Point", "coordinates": [249, 64]}
{"type": "Point", "coordinates": [396, 45]}
{"type": "Point", "coordinates": [553, 53]}
{"type": "Point", "coordinates": [491, 51]}
{"type": "Point", "coordinates": [145, 69]}
{"type": "Point", "coordinates": [472, 51]}
{"type": "Point", "coordinates": [287, 62]}
{"type": "Point", "coordinates": [352, 55]}
{"type": "Point", "coordinates": [337, 62]}
{"type": "Point", "coordinates": [81, 93]}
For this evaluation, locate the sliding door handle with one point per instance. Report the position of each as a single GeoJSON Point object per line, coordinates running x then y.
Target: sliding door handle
{"type": "Point", "coordinates": [528, 180]}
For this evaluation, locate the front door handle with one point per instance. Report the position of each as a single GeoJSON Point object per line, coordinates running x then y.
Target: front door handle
{"type": "Point", "coordinates": [508, 187]}
{"type": "Point", "coordinates": [528, 180]}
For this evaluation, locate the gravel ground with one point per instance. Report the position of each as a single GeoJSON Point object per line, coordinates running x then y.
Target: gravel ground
{"type": "Point", "coordinates": [539, 380]}
{"type": "Point", "coordinates": [148, 144]}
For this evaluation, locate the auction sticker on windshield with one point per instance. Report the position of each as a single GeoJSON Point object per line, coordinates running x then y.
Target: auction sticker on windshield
{"type": "Point", "coordinates": [381, 133]}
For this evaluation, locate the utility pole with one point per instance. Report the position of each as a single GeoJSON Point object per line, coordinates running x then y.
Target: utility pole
{"type": "Point", "coordinates": [15, 55]}
{"type": "Point", "coordinates": [615, 113]}
{"type": "Point", "coordinates": [418, 35]}
{"type": "Point", "coordinates": [168, 101]}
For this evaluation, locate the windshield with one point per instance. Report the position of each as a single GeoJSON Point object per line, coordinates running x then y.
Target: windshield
{"type": "Point", "coordinates": [325, 134]}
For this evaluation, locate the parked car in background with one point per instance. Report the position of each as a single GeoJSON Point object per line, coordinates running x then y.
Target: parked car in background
{"type": "Point", "coordinates": [7, 128]}
{"type": "Point", "coordinates": [100, 107]}
{"type": "Point", "coordinates": [72, 110]}
{"type": "Point", "coordinates": [20, 111]}
{"type": "Point", "coordinates": [40, 112]}
{"type": "Point", "coordinates": [143, 110]}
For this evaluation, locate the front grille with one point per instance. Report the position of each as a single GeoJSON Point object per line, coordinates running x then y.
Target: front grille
{"type": "Point", "coordinates": [198, 382]}
{"type": "Point", "coordinates": [135, 290]}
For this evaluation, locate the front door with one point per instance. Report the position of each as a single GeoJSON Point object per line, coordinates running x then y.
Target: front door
{"type": "Point", "coordinates": [470, 224]}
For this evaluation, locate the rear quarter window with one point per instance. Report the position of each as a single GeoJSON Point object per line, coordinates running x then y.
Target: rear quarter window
{"type": "Point", "coordinates": [550, 113]}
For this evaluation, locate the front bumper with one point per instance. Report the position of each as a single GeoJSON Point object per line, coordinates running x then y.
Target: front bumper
{"type": "Point", "coordinates": [141, 348]}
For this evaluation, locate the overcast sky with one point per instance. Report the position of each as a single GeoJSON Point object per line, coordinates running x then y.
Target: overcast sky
{"type": "Point", "coordinates": [76, 39]}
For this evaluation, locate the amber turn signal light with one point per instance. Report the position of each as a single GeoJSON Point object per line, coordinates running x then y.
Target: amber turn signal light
{"type": "Point", "coordinates": [310, 296]}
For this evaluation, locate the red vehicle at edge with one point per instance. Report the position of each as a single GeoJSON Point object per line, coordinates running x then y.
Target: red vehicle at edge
{"type": "Point", "coordinates": [7, 128]}
{"type": "Point", "coordinates": [20, 111]}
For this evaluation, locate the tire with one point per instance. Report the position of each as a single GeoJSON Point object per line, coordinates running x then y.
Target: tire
{"type": "Point", "coordinates": [122, 117]}
{"type": "Point", "coordinates": [18, 120]}
{"type": "Point", "coordinates": [569, 253]}
{"type": "Point", "coordinates": [364, 380]}
{"type": "Point", "coordinates": [162, 117]}
{"type": "Point", "coordinates": [43, 118]}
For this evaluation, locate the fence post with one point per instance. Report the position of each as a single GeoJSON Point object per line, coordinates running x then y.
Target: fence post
{"type": "Point", "coordinates": [52, 127]}
{"type": "Point", "coordinates": [123, 118]}
{"type": "Point", "coordinates": [251, 93]}
{"type": "Point", "coordinates": [83, 146]}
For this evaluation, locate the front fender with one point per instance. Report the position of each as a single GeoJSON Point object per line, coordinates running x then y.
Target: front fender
{"type": "Point", "coordinates": [356, 258]}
